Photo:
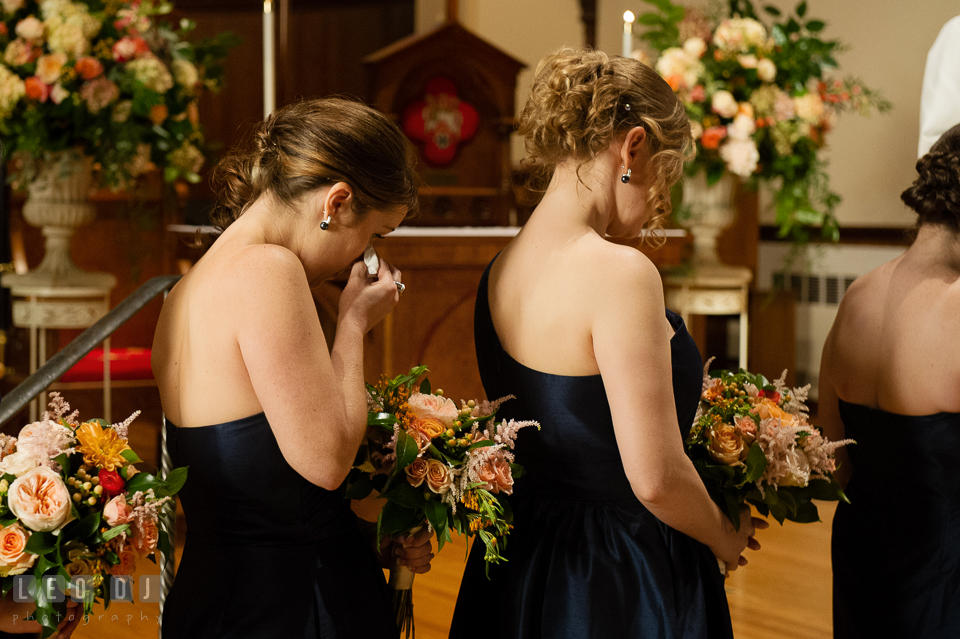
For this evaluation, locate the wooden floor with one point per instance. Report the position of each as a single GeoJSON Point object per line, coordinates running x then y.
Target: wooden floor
{"type": "Point", "coordinates": [784, 592]}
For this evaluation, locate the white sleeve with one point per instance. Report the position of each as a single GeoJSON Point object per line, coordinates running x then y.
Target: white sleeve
{"type": "Point", "coordinates": [940, 98]}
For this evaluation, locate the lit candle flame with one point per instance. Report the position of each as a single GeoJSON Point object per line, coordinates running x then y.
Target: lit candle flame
{"type": "Point", "coordinates": [628, 16]}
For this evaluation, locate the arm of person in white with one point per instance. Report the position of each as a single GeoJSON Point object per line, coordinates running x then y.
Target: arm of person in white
{"type": "Point", "coordinates": [940, 97]}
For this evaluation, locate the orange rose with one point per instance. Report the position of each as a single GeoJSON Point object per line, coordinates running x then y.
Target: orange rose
{"type": "Point", "coordinates": [767, 409]}
{"type": "Point", "coordinates": [439, 477]}
{"type": "Point", "coordinates": [429, 426]}
{"type": "Point", "coordinates": [417, 471]}
{"type": "Point", "coordinates": [726, 445]}
{"type": "Point", "coordinates": [13, 559]}
{"type": "Point", "coordinates": [159, 113]}
{"type": "Point", "coordinates": [88, 67]}
{"type": "Point", "coordinates": [712, 137]}
{"type": "Point", "coordinates": [49, 67]}
{"type": "Point", "coordinates": [36, 89]}
{"type": "Point", "coordinates": [504, 477]}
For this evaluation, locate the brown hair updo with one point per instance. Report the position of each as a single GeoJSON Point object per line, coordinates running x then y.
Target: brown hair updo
{"type": "Point", "coordinates": [935, 194]}
{"type": "Point", "coordinates": [315, 143]}
{"type": "Point", "coordinates": [579, 103]}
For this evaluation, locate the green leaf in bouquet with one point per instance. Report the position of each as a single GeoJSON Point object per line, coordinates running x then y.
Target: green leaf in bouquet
{"type": "Point", "coordinates": [650, 19]}
{"type": "Point", "coordinates": [407, 451]}
{"type": "Point", "coordinates": [40, 543]}
{"type": "Point", "coordinates": [437, 516]}
{"type": "Point", "coordinates": [131, 456]}
{"type": "Point", "coordinates": [359, 487]}
{"type": "Point", "coordinates": [481, 444]}
{"type": "Point", "coordinates": [772, 10]}
{"type": "Point", "coordinates": [142, 482]}
{"type": "Point", "coordinates": [395, 519]}
{"type": "Point", "coordinates": [815, 25]}
{"type": "Point", "coordinates": [174, 481]}
{"type": "Point", "coordinates": [756, 463]}
{"type": "Point", "coordinates": [802, 9]}
{"type": "Point", "coordinates": [164, 545]}
{"type": "Point", "coordinates": [425, 386]}
{"type": "Point", "coordinates": [406, 495]}
{"type": "Point", "coordinates": [807, 512]}
{"type": "Point", "coordinates": [84, 528]}
{"type": "Point", "coordinates": [111, 558]}
{"type": "Point", "coordinates": [385, 420]}
{"type": "Point", "coordinates": [516, 470]}
{"type": "Point", "coordinates": [64, 463]}
{"type": "Point", "coordinates": [116, 530]}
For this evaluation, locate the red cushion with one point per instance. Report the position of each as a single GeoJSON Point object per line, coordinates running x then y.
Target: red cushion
{"type": "Point", "coordinates": [125, 363]}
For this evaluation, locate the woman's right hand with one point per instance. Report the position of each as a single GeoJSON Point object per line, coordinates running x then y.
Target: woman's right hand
{"type": "Point", "coordinates": [366, 300]}
{"type": "Point", "coordinates": [734, 542]}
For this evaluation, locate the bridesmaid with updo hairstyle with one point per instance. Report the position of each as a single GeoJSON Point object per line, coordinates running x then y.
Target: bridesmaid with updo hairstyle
{"type": "Point", "coordinates": [614, 532]}
{"type": "Point", "coordinates": [890, 379]}
{"type": "Point", "coordinates": [265, 417]}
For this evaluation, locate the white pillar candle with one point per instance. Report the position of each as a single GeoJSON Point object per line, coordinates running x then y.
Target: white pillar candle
{"type": "Point", "coordinates": [269, 65]}
{"type": "Point", "coordinates": [628, 19]}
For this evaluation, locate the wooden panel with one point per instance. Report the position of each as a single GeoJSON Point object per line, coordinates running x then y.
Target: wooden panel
{"type": "Point", "coordinates": [773, 335]}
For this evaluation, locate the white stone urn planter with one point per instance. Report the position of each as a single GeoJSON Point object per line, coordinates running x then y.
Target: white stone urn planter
{"type": "Point", "coordinates": [711, 212]}
{"type": "Point", "coordinates": [58, 201]}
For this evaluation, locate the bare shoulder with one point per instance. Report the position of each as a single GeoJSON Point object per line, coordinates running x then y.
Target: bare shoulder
{"type": "Point", "coordinates": [625, 269]}
{"type": "Point", "coordinates": [264, 263]}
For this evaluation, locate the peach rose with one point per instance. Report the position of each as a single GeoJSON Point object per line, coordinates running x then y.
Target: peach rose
{"type": "Point", "coordinates": [88, 67]}
{"type": "Point", "coordinates": [726, 445]}
{"type": "Point", "coordinates": [767, 409]}
{"type": "Point", "coordinates": [49, 67]}
{"type": "Point", "coordinates": [748, 429]}
{"type": "Point", "coordinates": [117, 511]}
{"type": "Point", "coordinates": [417, 471]}
{"type": "Point", "coordinates": [487, 473]}
{"type": "Point", "coordinates": [440, 408]}
{"type": "Point", "coordinates": [18, 463]}
{"type": "Point", "coordinates": [13, 559]}
{"type": "Point", "coordinates": [128, 561]}
{"type": "Point", "coordinates": [504, 477]}
{"type": "Point", "coordinates": [724, 104]}
{"type": "Point", "coordinates": [145, 537]}
{"type": "Point", "coordinates": [40, 499]}
{"type": "Point", "coordinates": [81, 562]}
{"type": "Point", "coordinates": [439, 477]}
{"type": "Point", "coordinates": [430, 426]}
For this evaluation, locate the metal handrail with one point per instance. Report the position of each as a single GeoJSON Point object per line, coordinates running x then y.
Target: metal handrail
{"type": "Point", "coordinates": [73, 352]}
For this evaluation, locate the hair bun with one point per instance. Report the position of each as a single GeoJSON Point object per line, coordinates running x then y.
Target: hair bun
{"type": "Point", "coordinates": [935, 194]}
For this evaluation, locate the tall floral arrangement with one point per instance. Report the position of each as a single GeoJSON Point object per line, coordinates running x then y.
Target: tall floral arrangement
{"type": "Point", "coordinates": [107, 78]}
{"type": "Point", "coordinates": [761, 100]}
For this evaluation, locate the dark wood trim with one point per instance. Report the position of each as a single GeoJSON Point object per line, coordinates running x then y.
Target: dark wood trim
{"type": "Point", "coordinates": [876, 235]}
{"type": "Point", "coordinates": [588, 15]}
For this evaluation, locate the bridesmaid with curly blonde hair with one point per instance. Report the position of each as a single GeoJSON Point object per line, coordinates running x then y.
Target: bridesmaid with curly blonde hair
{"type": "Point", "coordinates": [615, 534]}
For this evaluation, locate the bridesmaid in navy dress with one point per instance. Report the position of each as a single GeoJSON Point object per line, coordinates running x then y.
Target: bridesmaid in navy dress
{"type": "Point", "coordinates": [615, 534]}
{"type": "Point", "coordinates": [890, 379]}
{"type": "Point", "coordinates": [267, 419]}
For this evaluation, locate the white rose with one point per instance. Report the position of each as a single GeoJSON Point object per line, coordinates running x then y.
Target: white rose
{"type": "Point", "coordinates": [185, 73]}
{"type": "Point", "coordinates": [741, 156]}
{"type": "Point", "coordinates": [748, 61]}
{"type": "Point", "coordinates": [58, 94]}
{"type": "Point", "coordinates": [12, 6]}
{"type": "Point", "coordinates": [724, 104]}
{"type": "Point", "coordinates": [741, 128]}
{"type": "Point", "coordinates": [18, 463]}
{"type": "Point", "coordinates": [766, 70]}
{"type": "Point", "coordinates": [695, 46]}
{"type": "Point", "coordinates": [696, 129]}
{"type": "Point", "coordinates": [30, 28]}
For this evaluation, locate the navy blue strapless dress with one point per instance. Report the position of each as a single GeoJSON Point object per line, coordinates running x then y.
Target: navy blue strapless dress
{"type": "Point", "coordinates": [267, 553]}
{"type": "Point", "coordinates": [896, 545]}
{"type": "Point", "coordinates": [586, 558]}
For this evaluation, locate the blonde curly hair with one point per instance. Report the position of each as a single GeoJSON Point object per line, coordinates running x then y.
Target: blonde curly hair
{"type": "Point", "coordinates": [582, 99]}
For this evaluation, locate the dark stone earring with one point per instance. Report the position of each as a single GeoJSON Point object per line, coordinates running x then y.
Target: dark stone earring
{"type": "Point", "coordinates": [325, 224]}
{"type": "Point", "coordinates": [625, 178]}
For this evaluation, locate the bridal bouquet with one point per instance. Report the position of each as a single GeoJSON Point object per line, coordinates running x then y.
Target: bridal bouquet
{"type": "Point", "coordinates": [109, 78]}
{"type": "Point", "coordinates": [751, 443]}
{"type": "Point", "coordinates": [761, 99]}
{"type": "Point", "coordinates": [75, 510]}
{"type": "Point", "coordinates": [436, 465]}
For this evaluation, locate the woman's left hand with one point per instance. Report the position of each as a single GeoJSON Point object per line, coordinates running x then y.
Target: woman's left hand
{"type": "Point", "coordinates": [412, 551]}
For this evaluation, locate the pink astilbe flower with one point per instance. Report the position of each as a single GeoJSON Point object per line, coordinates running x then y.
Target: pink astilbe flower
{"type": "Point", "coordinates": [505, 433]}
{"type": "Point", "coordinates": [820, 452]}
{"type": "Point", "coordinates": [58, 410]}
{"type": "Point", "coordinates": [485, 408]}
{"type": "Point", "coordinates": [779, 444]}
{"type": "Point", "coordinates": [796, 404]}
{"type": "Point", "coordinates": [122, 427]}
{"type": "Point", "coordinates": [145, 506]}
